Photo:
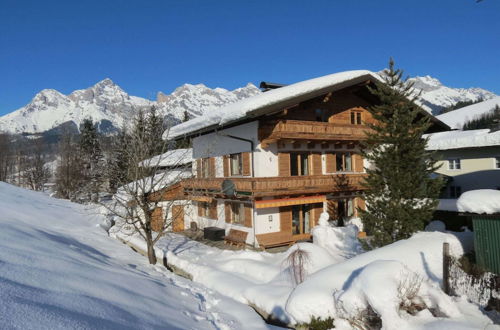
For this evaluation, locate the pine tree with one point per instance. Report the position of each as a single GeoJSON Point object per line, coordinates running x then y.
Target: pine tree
{"type": "Point", "coordinates": [118, 161]}
{"type": "Point", "coordinates": [401, 194]}
{"type": "Point", "coordinates": [93, 158]}
{"type": "Point", "coordinates": [154, 131]}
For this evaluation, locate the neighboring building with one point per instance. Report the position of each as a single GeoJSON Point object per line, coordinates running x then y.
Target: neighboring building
{"type": "Point", "coordinates": [171, 168]}
{"type": "Point", "coordinates": [267, 166]}
{"type": "Point", "coordinates": [470, 160]}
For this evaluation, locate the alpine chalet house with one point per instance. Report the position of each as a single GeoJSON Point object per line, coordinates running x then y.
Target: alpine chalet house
{"type": "Point", "coordinates": [267, 166]}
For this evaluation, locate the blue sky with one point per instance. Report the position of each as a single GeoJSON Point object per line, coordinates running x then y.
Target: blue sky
{"type": "Point", "coordinates": [148, 46]}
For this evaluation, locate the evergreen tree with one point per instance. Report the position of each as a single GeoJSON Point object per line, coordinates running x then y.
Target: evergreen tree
{"type": "Point", "coordinates": [92, 160]}
{"type": "Point", "coordinates": [154, 130]}
{"type": "Point", "coordinates": [69, 170]}
{"type": "Point", "coordinates": [401, 194]}
{"type": "Point", "coordinates": [118, 161]}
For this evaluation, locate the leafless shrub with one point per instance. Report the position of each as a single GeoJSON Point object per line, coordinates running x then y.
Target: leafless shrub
{"type": "Point", "coordinates": [361, 319]}
{"type": "Point", "coordinates": [408, 288]}
{"type": "Point", "coordinates": [296, 262]}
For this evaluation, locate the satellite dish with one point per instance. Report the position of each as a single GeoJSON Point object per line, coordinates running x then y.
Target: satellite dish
{"type": "Point", "coordinates": [228, 187]}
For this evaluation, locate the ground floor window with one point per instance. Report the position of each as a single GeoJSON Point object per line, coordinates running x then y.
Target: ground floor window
{"type": "Point", "coordinates": [341, 210]}
{"type": "Point", "coordinates": [203, 209]}
{"type": "Point", "coordinates": [301, 219]}
{"type": "Point", "coordinates": [497, 162]}
{"type": "Point", "coordinates": [237, 213]}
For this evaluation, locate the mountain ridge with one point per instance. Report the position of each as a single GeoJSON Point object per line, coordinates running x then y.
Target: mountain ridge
{"type": "Point", "coordinates": [111, 107]}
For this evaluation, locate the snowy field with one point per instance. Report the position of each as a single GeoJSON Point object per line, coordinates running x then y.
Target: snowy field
{"type": "Point", "coordinates": [340, 281]}
{"type": "Point", "coordinates": [60, 270]}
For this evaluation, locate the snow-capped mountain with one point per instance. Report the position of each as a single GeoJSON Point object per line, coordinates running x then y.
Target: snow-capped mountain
{"type": "Point", "coordinates": [110, 106]}
{"type": "Point", "coordinates": [437, 96]}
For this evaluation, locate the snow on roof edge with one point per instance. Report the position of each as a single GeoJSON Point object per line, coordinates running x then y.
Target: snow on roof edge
{"type": "Point", "coordinates": [239, 110]}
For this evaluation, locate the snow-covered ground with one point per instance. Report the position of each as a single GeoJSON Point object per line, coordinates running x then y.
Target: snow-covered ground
{"type": "Point", "coordinates": [336, 273]}
{"type": "Point", "coordinates": [60, 270]}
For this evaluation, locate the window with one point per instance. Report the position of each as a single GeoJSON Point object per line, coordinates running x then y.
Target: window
{"type": "Point", "coordinates": [236, 164]}
{"type": "Point", "coordinates": [356, 117]}
{"type": "Point", "coordinates": [299, 164]}
{"type": "Point", "coordinates": [301, 219]}
{"type": "Point", "coordinates": [454, 164]}
{"type": "Point", "coordinates": [344, 162]}
{"type": "Point", "coordinates": [455, 191]}
{"type": "Point", "coordinates": [237, 213]}
{"type": "Point", "coordinates": [497, 162]}
{"type": "Point", "coordinates": [203, 209]}
{"type": "Point", "coordinates": [320, 115]}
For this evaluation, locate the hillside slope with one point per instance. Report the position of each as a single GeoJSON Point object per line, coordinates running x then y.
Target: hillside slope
{"type": "Point", "coordinates": [58, 270]}
{"type": "Point", "coordinates": [457, 118]}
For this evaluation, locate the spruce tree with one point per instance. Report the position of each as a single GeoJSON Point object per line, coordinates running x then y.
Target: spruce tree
{"type": "Point", "coordinates": [401, 193]}
{"type": "Point", "coordinates": [92, 164]}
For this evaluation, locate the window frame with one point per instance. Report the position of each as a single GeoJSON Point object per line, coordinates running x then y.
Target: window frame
{"type": "Point", "coordinates": [455, 191]}
{"type": "Point", "coordinates": [343, 161]}
{"type": "Point", "coordinates": [204, 209]}
{"type": "Point", "coordinates": [356, 117]}
{"type": "Point", "coordinates": [239, 158]}
{"type": "Point", "coordinates": [454, 164]}
{"type": "Point", "coordinates": [297, 161]}
{"type": "Point", "coordinates": [237, 218]}
{"type": "Point", "coordinates": [496, 162]}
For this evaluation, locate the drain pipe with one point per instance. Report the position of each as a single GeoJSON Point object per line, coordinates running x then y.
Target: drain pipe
{"type": "Point", "coordinates": [252, 173]}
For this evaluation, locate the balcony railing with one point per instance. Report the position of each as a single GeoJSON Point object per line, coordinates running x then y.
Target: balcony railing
{"type": "Point", "coordinates": [273, 186]}
{"type": "Point", "coordinates": [272, 131]}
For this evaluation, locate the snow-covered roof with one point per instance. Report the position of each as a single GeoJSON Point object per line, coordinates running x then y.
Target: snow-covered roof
{"type": "Point", "coordinates": [270, 101]}
{"type": "Point", "coordinates": [151, 184]}
{"type": "Point", "coordinates": [463, 139]}
{"type": "Point", "coordinates": [457, 118]}
{"type": "Point", "coordinates": [171, 158]}
{"type": "Point", "coordinates": [480, 201]}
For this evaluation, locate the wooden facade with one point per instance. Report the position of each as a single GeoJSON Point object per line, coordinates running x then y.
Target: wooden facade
{"type": "Point", "coordinates": [319, 168]}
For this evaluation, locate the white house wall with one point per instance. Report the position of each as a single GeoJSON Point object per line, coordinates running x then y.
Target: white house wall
{"type": "Point", "coordinates": [216, 145]}
{"type": "Point", "coordinates": [268, 220]}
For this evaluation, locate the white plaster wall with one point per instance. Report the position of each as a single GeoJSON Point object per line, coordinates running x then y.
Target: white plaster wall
{"type": "Point", "coordinates": [215, 144]}
{"type": "Point", "coordinates": [267, 220]}
{"type": "Point", "coordinates": [266, 161]}
{"type": "Point", "coordinates": [477, 167]}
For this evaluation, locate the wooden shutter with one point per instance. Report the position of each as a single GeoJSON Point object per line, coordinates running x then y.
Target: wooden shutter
{"type": "Point", "coordinates": [200, 209]}
{"type": "Point", "coordinates": [284, 164]}
{"type": "Point", "coordinates": [212, 213]}
{"type": "Point", "coordinates": [157, 219]}
{"type": "Point", "coordinates": [317, 168]}
{"type": "Point", "coordinates": [358, 163]}
{"type": "Point", "coordinates": [227, 211]}
{"type": "Point", "coordinates": [246, 163]}
{"type": "Point", "coordinates": [286, 219]}
{"type": "Point", "coordinates": [198, 168]}
{"type": "Point", "coordinates": [211, 167]}
{"type": "Point", "coordinates": [360, 202]}
{"type": "Point", "coordinates": [330, 163]}
{"type": "Point", "coordinates": [178, 218]}
{"type": "Point", "coordinates": [248, 215]}
{"type": "Point", "coordinates": [225, 165]}
{"type": "Point", "coordinates": [317, 210]}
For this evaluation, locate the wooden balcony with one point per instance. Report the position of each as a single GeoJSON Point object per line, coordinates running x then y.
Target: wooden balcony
{"type": "Point", "coordinates": [272, 131]}
{"type": "Point", "coordinates": [276, 186]}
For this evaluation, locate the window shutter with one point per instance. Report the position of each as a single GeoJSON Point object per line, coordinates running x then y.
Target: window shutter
{"type": "Point", "coordinates": [248, 215]}
{"type": "Point", "coordinates": [200, 211]}
{"type": "Point", "coordinates": [198, 168]}
{"type": "Point", "coordinates": [360, 203]}
{"type": "Point", "coordinates": [157, 219]}
{"type": "Point", "coordinates": [211, 167]}
{"type": "Point", "coordinates": [213, 210]}
{"type": "Point", "coordinates": [246, 163]}
{"type": "Point", "coordinates": [330, 163]}
{"type": "Point", "coordinates": [317, 210]}
{"type": "Point", "coordinates": [358, 163]}
{"type": "Point", "coordinates": [317, 168]}
{"type": "Point", "coordinates": [227, 211]}
{"type": "Point", "coordinates": [284, 164]}
{"type": "Point", "coordinates": [225, 165]}
{"type": "Point", "coordinates": [286, 219]}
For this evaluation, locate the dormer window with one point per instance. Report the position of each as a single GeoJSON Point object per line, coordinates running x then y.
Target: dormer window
{"type": "Point", "coordinates": [356, 117]}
